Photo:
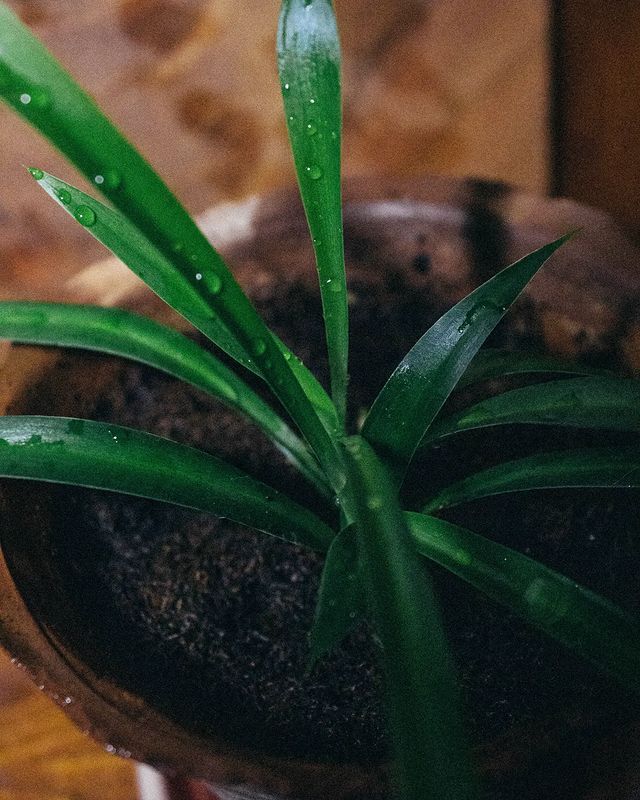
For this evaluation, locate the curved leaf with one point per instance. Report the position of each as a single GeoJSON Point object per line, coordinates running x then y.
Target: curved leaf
{"type": "Point", "coordinates": [424, 707]}
{"type": "Point", "coordinates": [426, 376]}
{"type": "Point", "coordinates": [611, 403]}
{"type": "Point", "coordinates": [306, 401]}
{"type": "Point", "coordinates": [341, 603]}
{"type": "Point", "coordinates": [38, 88]}
{"type": "Point", "coordinates": [492, 363]}
{"type": "Point", "coordinates": [590, 467]}
{"type": "Point", "coordinates": [110, 330]}
{"type": "Point", "coordinates": [581, 620]}
{"type": "Point", "coordinates": [102, 456]}
{"type": "Point", "coordinates": [309, 66]}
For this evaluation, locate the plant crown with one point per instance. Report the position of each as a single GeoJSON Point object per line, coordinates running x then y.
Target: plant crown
{"type": "Point", "coordinates": [377, 553]}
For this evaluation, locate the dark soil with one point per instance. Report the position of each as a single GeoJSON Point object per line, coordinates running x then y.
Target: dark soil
{"type": "Point", "coordinates": [209, 620]}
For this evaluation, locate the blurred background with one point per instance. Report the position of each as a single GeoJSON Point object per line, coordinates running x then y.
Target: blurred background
{"type": "Point", "coordinates": [537, 93]}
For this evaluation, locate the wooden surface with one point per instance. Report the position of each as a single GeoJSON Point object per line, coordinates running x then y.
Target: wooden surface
{"type": "Point", "coordinates": [597, 147]}
{"type": "Point", "coordinates": [453, 86]}
{"type": "Point", "coordinates": [43, 756]}
{"type": "Point", "coordinates": [446, 86]}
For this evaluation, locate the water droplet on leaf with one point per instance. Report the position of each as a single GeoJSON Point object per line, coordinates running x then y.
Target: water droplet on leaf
{"type": "Point", "coordinates": [64, 196]}
{"type": "Point", "coordinates": [38, 174]}
{"type": "Point", "coordinates": [311, 129]}
{"type": "Point", "coordinates": [314, 172]}
{"type": "Point", "coordinates": [259, 347]}
{"type": "Point", "coordinates": [25, 98]}
{"type": "Point", "coordinates": [86, 216]}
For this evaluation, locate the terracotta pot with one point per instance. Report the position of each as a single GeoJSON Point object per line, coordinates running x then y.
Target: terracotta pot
{"type": "Point", "coordinates": [442, 237]}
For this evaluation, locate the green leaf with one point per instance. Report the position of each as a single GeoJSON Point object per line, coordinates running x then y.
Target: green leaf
{"type": "Point", "coordinates": [489, 364]}
{"type": "Point", "coordinates": [38, 88]}
{"type": "Point", "coordinates": [611, 403]}
{"type": "Point", "coordinates": [309, 66]}
{"type": "Point", "coordinates": [416, 391]}
{"type": "Point", "coordinates": [432, 758]}
{"type": "Point", "coordinates": [584, 622]}
{"type": "Point", "coordinates": [131, 336]}
{"type": "Point", "coordinates": [591, 467]}
{"type": "Point", "coordinates": [309, 407]}
{"type": "Point", "coordinates": [341, 603]}
{"type": "Point", "coordinates": [102, 456]}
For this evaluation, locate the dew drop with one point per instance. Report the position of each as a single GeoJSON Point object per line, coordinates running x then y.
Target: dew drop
{"type": "Point", "coordinates": [109, 179]}
{"type": "Point", "coordinates": [259, 347]}
{"type": "Point", "coordinates": [213, 282]}
{"type": "Point", "coordinates": [198, 276]}
{"type": "Point", "coordinates": [38, 174]}
{"type": "Point", "coordinates": [287, 87]}
{"type": "Point", "coordinates": [334, 135]}
{"type": "Point", "coordinates": [311, 129]}
{"type": "Point", "coordinates": [314, 172]}
{"type": "Point", "coordinates": [287, 356]}
{"type": "Point", "coordinates": [25, 98]}
{"type": "Point", "coordinates": [312, 100]}
{"type": "Point", "coordinates": [86, 216]}
{"type": "Point", "coordinates": [64, 196]}
{"type": "Point", "coordinates": [548, 602]}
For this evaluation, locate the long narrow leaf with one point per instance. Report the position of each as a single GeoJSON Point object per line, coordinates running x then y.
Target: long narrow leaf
{"type": "Point", "coordinates": [491, 363]}
{"type": "Point", "coordinates": [582, 621]}
{"type": "Point", "coordinates": [592, 402]}
{"type": "Point", "coordinates": [37, 87]}
{"type": "Point", "coordinates": [102, 456]}
{"type": "Point", "coordinates": [432, 760]}
{"type": "Point", "coordinates": [341, 602]}
{"type": "Point", "coordinates": [416, 391]}
{"type": "Point", "coordinates": [591, 467]}
{"type": "Point", "coordinates": [309, 65]}
{"type": "Point", "coordinates": [309, 406]}
{"type": "Point", "coordinates": [110, 330]}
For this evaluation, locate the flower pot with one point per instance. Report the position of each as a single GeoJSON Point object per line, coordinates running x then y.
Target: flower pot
{"type": "Point", "coordinates": [75, 600]}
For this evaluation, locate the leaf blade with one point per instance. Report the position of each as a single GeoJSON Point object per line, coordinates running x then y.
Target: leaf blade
{"type": "Point", "coordinates": [137, 338]}
{"type": "Point", "coordinates": [423, 703]}
{"type": "Point", "coordinates": [585, 468]}
{"type": "Point", "coordinates": [300, 393]}
{"type": "Point", "coordinates": [576, 617]}
{"type": "Point", "coordinates": [309, 68]}
{"type": "Point", "coordinates": [39, 89]}
{"type": "Point", "coordinates": [119, 459]}
{"type": "Point", "coordinates": [417, 389]}
{"type": "Point", "coordinates": [595, 402]}
{"type": "Point", "coordinates": [492, 363]}
{"type": "Point", "coordinates": [341, 602]}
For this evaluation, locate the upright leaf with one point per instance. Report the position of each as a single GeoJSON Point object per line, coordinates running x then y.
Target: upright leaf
{"type": "Point", "coordinates": [432, 760]}
{"type": "Point", "coordinates": [592, 402]}
{"type": "Point", "coordinates": [102, 456]}
{"type": "Point", "coordinates": [38, 88]}
{"type": "Point", "coordinates": [111, 330]}
{"type": "Point", "coordinates": [609, 467]}
{"type": "Point", "coordinates": [426, 376]}
{"type": "Point", "coordinates": [309, 64]}
{"type": "Point", "coordinates": [582, 621]}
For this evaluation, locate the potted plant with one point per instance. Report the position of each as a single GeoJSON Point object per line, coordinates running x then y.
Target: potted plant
{"type": "Point", "coordinates": [366, 487]}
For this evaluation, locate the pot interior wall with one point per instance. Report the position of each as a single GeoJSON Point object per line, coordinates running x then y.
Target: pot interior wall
{"type": "Point", "coordinates": [208, 622]}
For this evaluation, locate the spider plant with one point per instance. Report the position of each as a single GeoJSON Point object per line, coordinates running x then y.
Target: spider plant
{"type": "Point", "coordinates": [378, 553]}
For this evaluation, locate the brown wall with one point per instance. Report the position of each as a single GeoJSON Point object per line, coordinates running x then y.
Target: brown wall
{"type": "Point", "coordinates": [453, 86]}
